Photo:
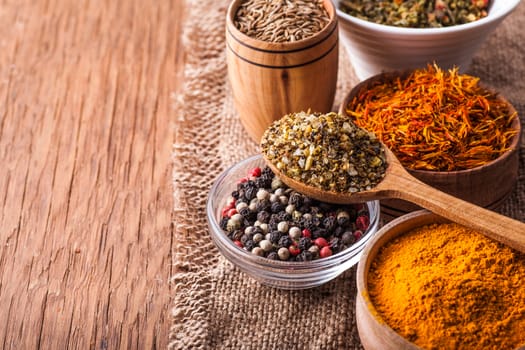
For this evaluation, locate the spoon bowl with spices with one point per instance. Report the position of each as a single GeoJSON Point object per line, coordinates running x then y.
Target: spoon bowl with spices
{"type": "Point", "coordinates": [327, 157]}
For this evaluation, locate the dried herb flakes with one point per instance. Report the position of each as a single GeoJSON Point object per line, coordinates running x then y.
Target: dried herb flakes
{"type": "Point", "coordinates": [326, 151]}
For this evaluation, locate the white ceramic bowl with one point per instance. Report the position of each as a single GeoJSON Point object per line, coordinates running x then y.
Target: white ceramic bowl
{"type": "Point", "coordinates": [276, 273]}
{"type": "Point", "coordinates": [375, 48]}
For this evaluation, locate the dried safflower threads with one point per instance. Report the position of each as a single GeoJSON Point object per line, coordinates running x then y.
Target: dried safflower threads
{"type": "Point", "coordinates": [281, 20]}
{"type": "Point", "coordinates": [269, 219]}
{"type": "Point", "coordinates": [435, 120]}
{"type": "Point", "coordinates": [326, 151]}
{"type": "Point", "coordinates": [417, 13]}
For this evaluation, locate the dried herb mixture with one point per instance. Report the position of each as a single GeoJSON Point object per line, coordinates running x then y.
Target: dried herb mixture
{"type": "Point", "coordinates": [417, 13]}
{"type": "Point", "coordinates": [326, 151]}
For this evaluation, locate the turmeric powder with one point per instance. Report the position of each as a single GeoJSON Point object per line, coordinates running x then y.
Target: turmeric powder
{"type": "Point", "coordinates": [444, 286]}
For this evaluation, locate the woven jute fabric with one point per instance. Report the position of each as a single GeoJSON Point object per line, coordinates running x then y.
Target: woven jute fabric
{"type": "Point", "coordinates": [215, 306]}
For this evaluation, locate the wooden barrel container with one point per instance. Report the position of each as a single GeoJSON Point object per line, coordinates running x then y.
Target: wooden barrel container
{"type": "Point", "coordinates": [269, 80]}
{"type": "Point", "coordinates": [487, 186]}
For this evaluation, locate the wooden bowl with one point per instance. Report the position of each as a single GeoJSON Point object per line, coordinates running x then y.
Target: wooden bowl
{"type": "Point", "coordinates": [373, 331]}
{"type": "Point", "coordinates": [487, 186]}
{"type": "Point", "coordinates": [269, 80]}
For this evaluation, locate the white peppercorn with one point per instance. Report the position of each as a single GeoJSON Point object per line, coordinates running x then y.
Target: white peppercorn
{"type": "Point", "coordinates": [294, 233]}
{"type": "Point", "coordinates": [257, 237]}
{"type": "Point", "coordinates": [233, 225]}
{"type": "Point", "coordinates": [314, 250]}
{"type": "Point", "coordinates": [262, 194]}
{"type": "Point", "coordinates": [279, 191]}
{"type": "Point", "coordinates": [282, 226]}
{"type": "Point", "coordinates": [264, 227]}
{"type": "Point", "coordinates": [276, 183]}
{"type": "Point", "coordinates": [241, 205]}
{"type": "Point", "coordinates": [258, 251]}
{"type": "Point", "coordinates": [266, 245]}
{"type": "Point", "coordinates": [236, 217]}
{"type": "Point", "coordinates": [283, 253]}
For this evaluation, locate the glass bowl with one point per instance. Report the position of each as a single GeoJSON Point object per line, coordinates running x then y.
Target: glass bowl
{"type": "Point", "coordinates": [276, 273]}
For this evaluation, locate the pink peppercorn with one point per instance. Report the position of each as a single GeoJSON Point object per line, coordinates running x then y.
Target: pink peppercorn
{"type": "Point", "coordinates": [243, 180]}
{"type": "Point", "coordinates": [294, 250]}
{"type": "Point", "coordinates": [307, 233]}
{"type": "Point", "coordinates": [358, 234]}
{"type": "Point", "coordinates": [238, 243]}
{"type": "Point", "coordinates": [362, 222]}
{"type": "Point", "coordinates": [325, 252]}
{"type": "Point", "coordinates": [320, 242]}
{"type": "Point", "coordinates": [231, 212]}
{"type": "Point", "coordinates": [255, 172]}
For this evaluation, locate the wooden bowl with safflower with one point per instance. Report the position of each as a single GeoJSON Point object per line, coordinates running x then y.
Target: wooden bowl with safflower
{"type": "Point", "coordinates": [424, 282]}
{"type": "Point", "coordinates": [446, 128]}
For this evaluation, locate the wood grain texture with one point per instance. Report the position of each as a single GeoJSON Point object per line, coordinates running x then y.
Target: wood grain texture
{"type": "Point", "coordinates": [85, 177]}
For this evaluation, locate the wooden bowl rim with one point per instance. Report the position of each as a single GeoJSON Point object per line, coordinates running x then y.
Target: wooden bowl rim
{"type": "Point", "coordinates": [516, 123]}
{"type": "Point", "coordinates": [284, 47]}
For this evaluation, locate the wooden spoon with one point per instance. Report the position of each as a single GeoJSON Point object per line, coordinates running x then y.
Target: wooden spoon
{"type": "Point", "coordinates": [398, 183]}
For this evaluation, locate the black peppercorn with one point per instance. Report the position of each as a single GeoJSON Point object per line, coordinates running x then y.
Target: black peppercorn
{"type": "Point", "coordinates": [266, 171]}
{"type": "Point", "coordinates": [336, 244]}
{"type": "Point", "coordinates": [285, 241]}
{"type": "Point", "coordinates": [263, 216]}
{"type": "Point", "coordinates": [304, 243]}
{"type": "Point", "coordinates": [277, 207]}
{"type": "Point", "coordinates": [348, 238]}
{"type": "Point", "coordinates": [338, 232]}
{"type": "Point", "coordinates": [224, 222]}
{"type": "Point", "coordinates": [329, 223]}
{"type": "Point", "coordinates": [283, 216]}
{"type": "Point", "coordinates": [246, 213]}
{"type": "Point", "coordinates": [296, 199]}
{"type": "Point", "coordinates": [235, 194]}
{"type": "Point", "coordinates": [236, 235]}
{"type": "Point", "coordinates": [249, 245]}
{"type": "Point", "coordinates": [273, 256]}
{"type": "Point", "coordinates": [304, 256]}
{"type": "Point", "coordinates": [319, 232]}
{"type": "Point", "coordinates": [250, 192]}
{"type": "Point", "coordinates": [275, 236]}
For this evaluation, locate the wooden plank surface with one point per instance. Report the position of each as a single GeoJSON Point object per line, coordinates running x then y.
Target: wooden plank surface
{"type": "Point", "coordinates": [86, 130]}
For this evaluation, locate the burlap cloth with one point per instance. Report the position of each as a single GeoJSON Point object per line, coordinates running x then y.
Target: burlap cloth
{"type": "Point", "coordinates": [215, 306]}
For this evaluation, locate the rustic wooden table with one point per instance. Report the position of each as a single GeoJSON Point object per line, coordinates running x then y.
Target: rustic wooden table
{"type": "Point", "coordinates": [86, 133]}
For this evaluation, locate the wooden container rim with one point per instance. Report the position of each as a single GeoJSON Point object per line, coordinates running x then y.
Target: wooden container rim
{"type": "Point", "coordinates": [284, 47]}
{"type": "Point", "coordinates": [387, 76]}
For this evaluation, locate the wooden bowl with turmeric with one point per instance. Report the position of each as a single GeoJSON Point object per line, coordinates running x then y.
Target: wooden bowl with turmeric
{"type": "Point", "coordinates": [426, 283]}
{"type": "Point", "coordinates": [447, 129]}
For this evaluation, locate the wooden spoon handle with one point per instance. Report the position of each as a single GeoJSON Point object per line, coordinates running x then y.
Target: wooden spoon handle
{"type": "Point", "coordinates": [496, 226]}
